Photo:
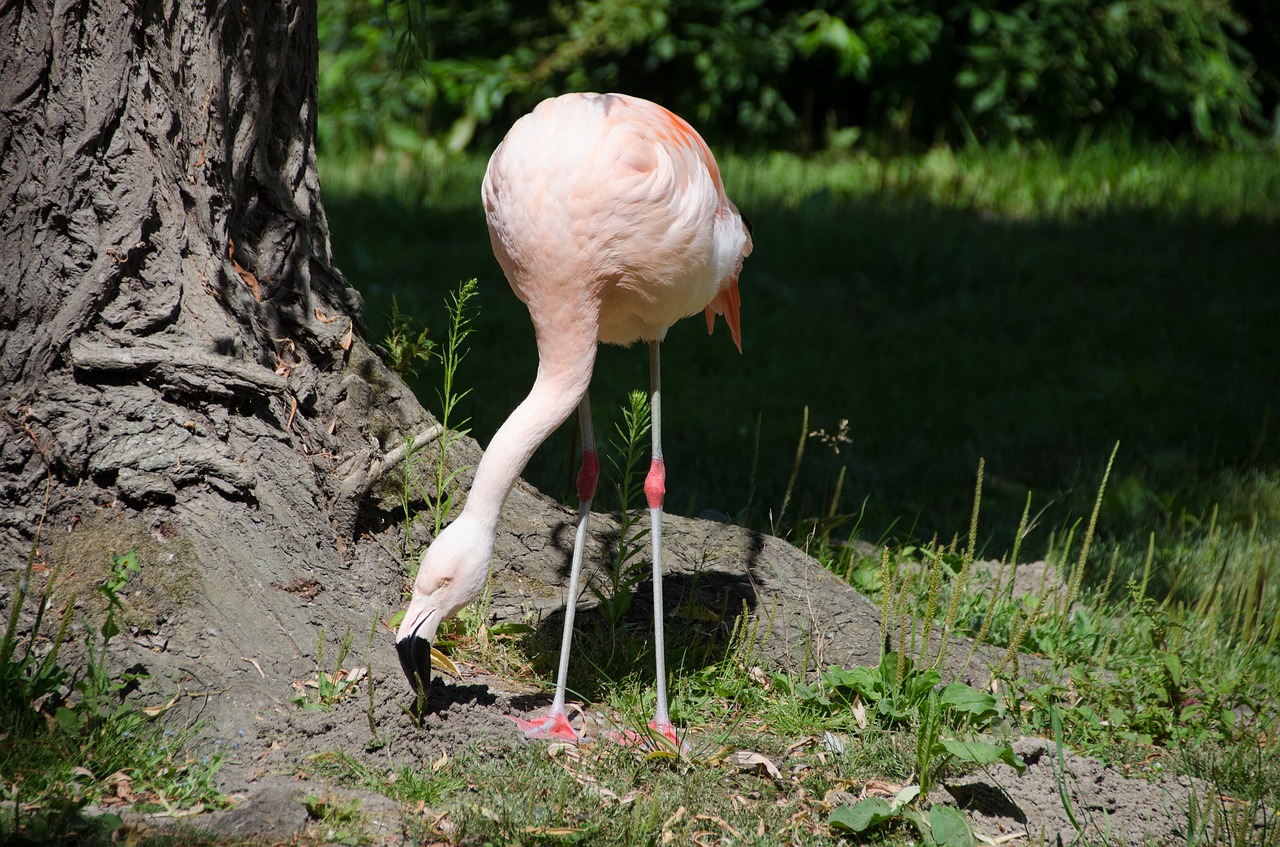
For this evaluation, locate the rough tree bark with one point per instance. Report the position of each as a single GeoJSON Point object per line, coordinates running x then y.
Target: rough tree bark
{"type": "Point", "coordinates": [181, 363]}
{"type": "Point", "coordinates": [183, 371]}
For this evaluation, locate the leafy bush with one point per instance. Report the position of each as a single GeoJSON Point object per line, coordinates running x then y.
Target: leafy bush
{"type": "Point", "coordinates": [801, 74]}
{"type": "Point", "coordinates": [1161, 67]}
{"type": "Point", "coordinates": [367, 99]}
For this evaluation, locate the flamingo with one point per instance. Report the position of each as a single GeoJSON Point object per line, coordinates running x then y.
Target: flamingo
{"type": "Point", "coordinates": [610, 221]}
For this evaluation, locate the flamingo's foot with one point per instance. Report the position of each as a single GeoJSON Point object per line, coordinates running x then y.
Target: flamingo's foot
{"type": "Point", "coordinates": [655, 739]}
{"type": "Point", "coordinates": [554, 727]}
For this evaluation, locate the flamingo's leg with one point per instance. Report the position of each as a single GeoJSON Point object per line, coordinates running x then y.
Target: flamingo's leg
{"type": "Point", "coordinates": [556, 722]}
{"type": "Point", "coordinates": [655, 488]}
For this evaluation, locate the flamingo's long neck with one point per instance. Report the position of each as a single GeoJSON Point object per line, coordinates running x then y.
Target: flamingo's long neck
{"type": "Point", "coordinates": [564, 372]}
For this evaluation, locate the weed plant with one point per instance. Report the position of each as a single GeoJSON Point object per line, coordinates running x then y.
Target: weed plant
{"type": "Point", "coordinates": [613, 592]}
{"type": "Point", "coordinates": [1149, 681]}
{"type": "Point", "coordinates": [406, 344]}
{"type": "Point", "coordinates": [68, 739]}
{"type": "Point", "coordinates": [1133, 674]}
{"type": "Point", "coordinates": [328, 687]}
{"type": "Point", "coordinates": [461, 316]}
{"type": "Point", "coordinates": [403, 348]}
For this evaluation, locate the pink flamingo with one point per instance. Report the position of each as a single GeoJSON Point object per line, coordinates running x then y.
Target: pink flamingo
{"type": "Point", "coordinates": [609, 218]}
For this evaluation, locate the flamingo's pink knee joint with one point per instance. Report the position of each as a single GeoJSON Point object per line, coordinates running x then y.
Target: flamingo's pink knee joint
{"type": "Point", "coordinates": [588, 475]}
{"type": "Point", "coordinates": [655, 484]}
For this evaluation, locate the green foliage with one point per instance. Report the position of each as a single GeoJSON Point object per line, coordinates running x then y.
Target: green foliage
{"type": "Point", "coordinates": [27, 679]}
{"type": "Point", "coordinates": [894, 694]}
{"type": "Point", "coordinates": [1128, 678]}
{"type": "Point", "coordinates": [1155, 67]}
{"type": "Point", "coordinates": [461, 315]}
{"type": "Point", "coordinates": [101, 704]}
{"type": "Point", "coordinates": [407, 784]}
{"type": "Point", "coordinates": [959, 708]}
{"type": "Point", "coordinates": [410, 491]}
{"type": "Point", "coordinates": [68, 739]}
{"type": "Point", "coordinates": [1152, 675]}
{"type": "Point", "coordinates": [343, 821]}
{"type": "Point", "coordinates": [1133, 672]}
{"type": "Point", "coordinates": [328, 687]}
{"type": "Point", "coordinates": [627, 570]}
{"type": "Point", "coordinates": [872, 813]}
{"type": "Point", "coordinates": [367, 100]}
{"type": "Point", "coordinates": [103, 692]}
{"type": "Point", "coordinates": [406, 345]}
{"type": "Point", "coordinates": [798, 74]}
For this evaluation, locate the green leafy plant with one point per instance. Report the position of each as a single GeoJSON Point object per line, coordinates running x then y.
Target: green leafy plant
{"type": "Point", "coordinates": [924, 591]}
{"type": "Point", "coordinates": [893, 694]}
{"type": "Point", "coordinates": [408, 784]}
{"type": "Point", "coordinates": [494, 644]}
{"type": "Point", "coordinates": [328, 687]}
{"type": "Point", "coordinates": [62, 733]}
{"type": "Point", "coordinates": [409, 488]}
{"type": "Point", "coordinates": [725, 688]}
{"type": "Point", "coordinates": [417, 472]}
{"type": "Point", "coordinates": [461, 315]}
{"type": "Point", "coordinates": [939, 825]}
{"type": "Point", "coordinates": [27, 678]}
{"type": "Point", "coordinates": [923, 70]}
{"type": "Point", "coordinates": [406, 346]}
{"type": "Point", "coordinates": [342, 820]}
{"type": "Point", "coordinates": [103, 692]}
{"type": "Point", "coordinates": [627, 570]}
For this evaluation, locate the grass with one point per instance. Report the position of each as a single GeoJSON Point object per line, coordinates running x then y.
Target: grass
{"type": "Point", "coordinates": [71, 739]}
{"type": "Point", "coordinates": [1026, 306]}
{"type": "Point", "coordinates": [910, 316]}
{"type": "Point", "coordinates": [1155, 687]}
{"type": "Point", "coordinates": [607, 794]}
{"type": "Point", "coordinates": [328, 687]}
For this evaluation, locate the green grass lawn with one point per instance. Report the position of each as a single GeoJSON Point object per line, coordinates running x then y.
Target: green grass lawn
{"type": "Point", "coordinates": [1024, 306]}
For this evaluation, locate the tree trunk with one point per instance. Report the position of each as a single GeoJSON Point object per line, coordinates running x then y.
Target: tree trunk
{"type": "Point", "coordinates": [181, 363]}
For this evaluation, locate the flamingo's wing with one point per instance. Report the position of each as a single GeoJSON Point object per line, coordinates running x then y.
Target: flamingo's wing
{"type": "Point", "coordinates": [732, 236]}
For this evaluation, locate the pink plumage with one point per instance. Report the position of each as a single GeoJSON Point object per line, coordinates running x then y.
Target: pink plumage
{"type": "Point", "coordinates": [620, 200]}
{"type": "Point", "coordinates": [610, 220]}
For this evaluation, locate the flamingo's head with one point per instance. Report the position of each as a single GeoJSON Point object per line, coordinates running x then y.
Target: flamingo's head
{"type": "Point", "coordinates": [452, 574]}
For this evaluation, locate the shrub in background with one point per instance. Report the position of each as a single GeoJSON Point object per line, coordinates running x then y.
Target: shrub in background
{"type": "Point", "coordinates": [433, 74]}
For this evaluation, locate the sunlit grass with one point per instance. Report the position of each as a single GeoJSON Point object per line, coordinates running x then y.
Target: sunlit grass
{"type": "Point", "coordinates": [1033, 183]}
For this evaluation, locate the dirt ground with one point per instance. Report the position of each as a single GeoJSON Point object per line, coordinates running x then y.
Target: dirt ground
{"type": "Point", "coordinates": [806, 617]}
{"type": "Point", "coordinates": [269, 774]}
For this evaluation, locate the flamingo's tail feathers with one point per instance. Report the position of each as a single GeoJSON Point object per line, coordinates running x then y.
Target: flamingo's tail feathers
{"type": "Point", "coordinates": [728, 303]}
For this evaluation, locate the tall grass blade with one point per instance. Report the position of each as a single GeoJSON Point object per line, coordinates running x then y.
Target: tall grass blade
{"type": "Point", "coordinates": [795, 469]}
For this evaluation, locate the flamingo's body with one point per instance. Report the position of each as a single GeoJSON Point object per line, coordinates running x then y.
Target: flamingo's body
{"type": "Point", "coordinates": [609, 218]}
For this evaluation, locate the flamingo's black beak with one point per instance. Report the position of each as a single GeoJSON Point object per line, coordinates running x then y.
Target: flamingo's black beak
{"type": "Point", "coordinates": [415, 661]}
